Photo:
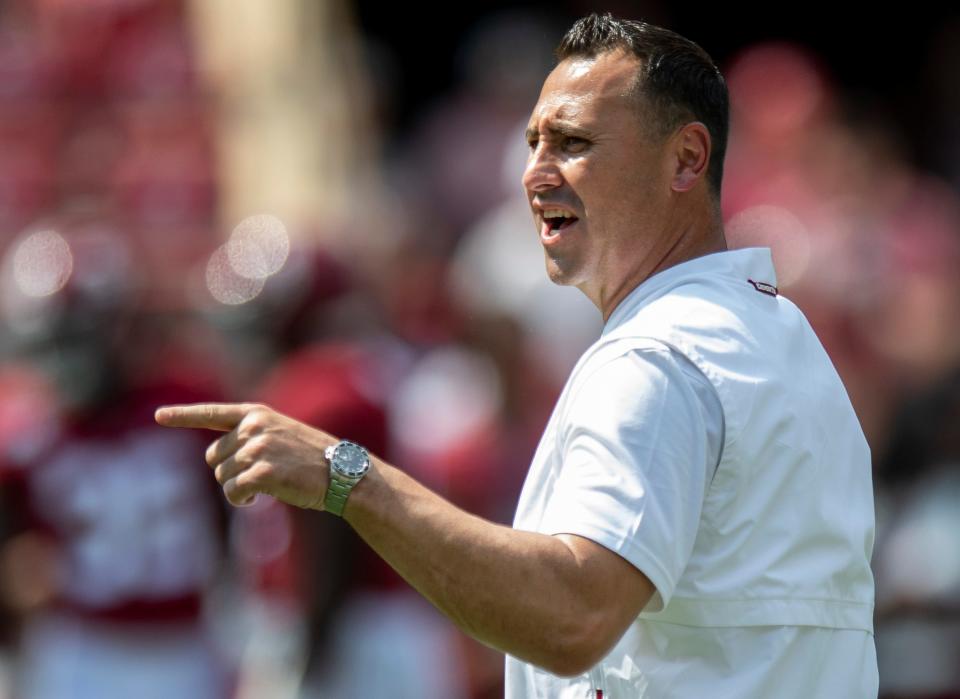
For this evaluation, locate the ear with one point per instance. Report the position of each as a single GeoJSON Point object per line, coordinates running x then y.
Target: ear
{"type": "Point", "coordinates": [691, 151]}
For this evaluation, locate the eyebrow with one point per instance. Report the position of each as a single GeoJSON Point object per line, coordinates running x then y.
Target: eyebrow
{"type": "Point", "coordinates": [563, 128]}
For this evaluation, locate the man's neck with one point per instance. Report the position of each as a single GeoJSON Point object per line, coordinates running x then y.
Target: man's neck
{"type": "Point", "coordinates": [688, 245]}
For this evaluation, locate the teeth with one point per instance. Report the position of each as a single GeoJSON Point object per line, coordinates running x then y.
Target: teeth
{"type": "Point", "coordinates": [555, 213]}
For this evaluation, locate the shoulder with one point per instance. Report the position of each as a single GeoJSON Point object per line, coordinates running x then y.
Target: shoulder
{"type": "Point", "coordinates": [620, 362]}
{"type": "Point", "coordinates": [611, 363]}
{"type": "Point", "coordinates": [630, 378]}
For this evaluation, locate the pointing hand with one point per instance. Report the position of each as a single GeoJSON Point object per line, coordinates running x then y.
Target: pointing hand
{"type": "Point", "coordinates": [262, 451]}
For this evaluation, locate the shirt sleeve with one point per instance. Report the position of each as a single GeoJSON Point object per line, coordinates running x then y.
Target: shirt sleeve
{"type": "Point", "coordinates": [640, 442]}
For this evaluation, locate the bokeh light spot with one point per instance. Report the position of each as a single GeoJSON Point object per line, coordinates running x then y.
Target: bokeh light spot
{"type": "Point", "coordinates": [42, 264]}
{"type": "Point", "coordinates": [225, 285]}
{"type": "Point", "coordinates": [258, 246]}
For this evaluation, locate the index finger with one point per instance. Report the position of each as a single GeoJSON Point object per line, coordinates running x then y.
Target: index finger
{"type": "Point", "coordinates": [211, 416]}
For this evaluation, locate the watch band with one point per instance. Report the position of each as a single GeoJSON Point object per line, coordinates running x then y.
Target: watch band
{"type": "Point", "coordinates": [336, 497]}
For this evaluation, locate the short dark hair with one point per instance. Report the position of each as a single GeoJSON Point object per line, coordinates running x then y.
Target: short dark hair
{"type": "Point", "coordinates": [678, 81]}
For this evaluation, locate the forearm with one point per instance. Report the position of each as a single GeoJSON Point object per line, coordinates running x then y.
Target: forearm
{"type": "Point", "coordinates": [517, 591]}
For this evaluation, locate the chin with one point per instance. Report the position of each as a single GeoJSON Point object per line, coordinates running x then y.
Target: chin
{"type": "Point", "coordinates": [560, 276]}
{"type": "Point", "coordinates": [556, 276]}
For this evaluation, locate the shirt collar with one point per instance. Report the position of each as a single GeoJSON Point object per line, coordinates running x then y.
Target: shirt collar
{"type": "Point", "coordinates": [749, 264]}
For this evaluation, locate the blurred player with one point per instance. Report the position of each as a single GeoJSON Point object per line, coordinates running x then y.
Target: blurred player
{"type": "Point", "coordinates": [113, 536]}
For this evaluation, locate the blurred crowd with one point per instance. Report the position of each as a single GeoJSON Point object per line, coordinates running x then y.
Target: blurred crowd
{"type": "Point", "coordinates": [181, 222]}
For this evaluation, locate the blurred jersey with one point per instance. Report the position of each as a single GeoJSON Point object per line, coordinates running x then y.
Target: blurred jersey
{"type": "Point", "coordinates": [130, 511]}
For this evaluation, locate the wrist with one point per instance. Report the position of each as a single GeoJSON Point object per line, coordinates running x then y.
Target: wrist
{"type": "Point", "coordinates": [368, 494]}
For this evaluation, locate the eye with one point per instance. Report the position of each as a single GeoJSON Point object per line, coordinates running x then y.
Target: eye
{"type": "Point", "coordinates": [575, 143]}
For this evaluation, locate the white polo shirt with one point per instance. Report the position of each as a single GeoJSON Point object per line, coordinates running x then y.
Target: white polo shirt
{"type": "Point", "coordinates": [707, 438]}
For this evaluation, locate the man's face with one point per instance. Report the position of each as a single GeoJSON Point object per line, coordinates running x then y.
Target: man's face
{"type": "Point", "coordinates": [588, 157]}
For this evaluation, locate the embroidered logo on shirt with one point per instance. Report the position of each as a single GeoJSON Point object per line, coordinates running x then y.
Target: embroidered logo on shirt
{"type": "Point", "coordinates": [764, 288]}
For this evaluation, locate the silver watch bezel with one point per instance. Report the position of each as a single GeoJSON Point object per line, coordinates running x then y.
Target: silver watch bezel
{"type": "Point", "coordinates": [335, 455]}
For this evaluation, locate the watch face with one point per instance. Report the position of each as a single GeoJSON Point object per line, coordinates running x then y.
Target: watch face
{"type": "Point", "coordinates": [350, 460]}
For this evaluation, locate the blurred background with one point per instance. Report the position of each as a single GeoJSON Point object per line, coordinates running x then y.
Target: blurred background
{"type": "Point", "coordinates": [317, 204]}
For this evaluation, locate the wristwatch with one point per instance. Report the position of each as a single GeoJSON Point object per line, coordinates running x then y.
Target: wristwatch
{"type": "Point", "coordinates": [349, 462]}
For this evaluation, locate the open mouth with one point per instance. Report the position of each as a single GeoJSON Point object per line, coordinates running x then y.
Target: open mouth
{"type": "Point", "coordinates": [551, 227]}
{"type": "Point", "coordinates": [561, 223]}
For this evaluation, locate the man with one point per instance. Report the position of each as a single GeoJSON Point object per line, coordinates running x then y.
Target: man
{"type": "Point", "coordinates": [698, 517]}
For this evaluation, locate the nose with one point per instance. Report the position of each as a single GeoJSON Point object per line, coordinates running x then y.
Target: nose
{"type": "Point", "coordinates": [542, 171]}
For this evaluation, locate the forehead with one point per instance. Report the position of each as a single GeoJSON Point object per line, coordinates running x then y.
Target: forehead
{"type": "Point", "coordinates": [586, 90]}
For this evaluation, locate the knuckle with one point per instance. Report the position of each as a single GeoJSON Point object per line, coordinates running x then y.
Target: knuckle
{"type": "Point", "coordinates": [255, 448]}
{"type": "Point", "coordinates": [239, 490]}
{"type": "Point", "coordinates": [260, 472]}
{"type": "Point", "coordinates": [261, 412]}
{"type": "Point", "coordinates": [249, 426]}
{"type": "Point", "coordinates": [256, 420]}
